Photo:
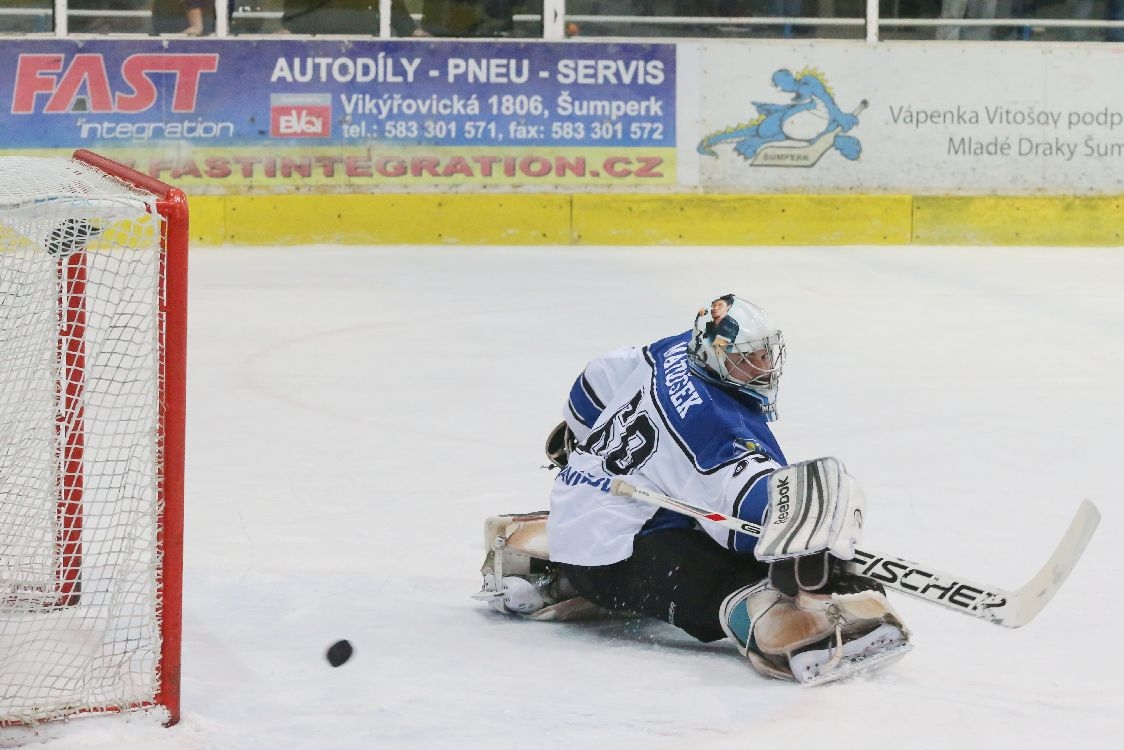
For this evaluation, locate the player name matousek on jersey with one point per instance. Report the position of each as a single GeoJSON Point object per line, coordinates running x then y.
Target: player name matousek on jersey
{"type": "Point", "coordinates": [676, 377]}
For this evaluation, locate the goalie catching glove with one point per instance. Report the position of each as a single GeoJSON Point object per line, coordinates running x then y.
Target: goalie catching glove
{"type": "Point", "coordinates": [560, 443]}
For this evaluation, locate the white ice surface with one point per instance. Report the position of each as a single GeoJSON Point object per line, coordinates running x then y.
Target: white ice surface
{"type": "Point", "coordinates": [355, 413]}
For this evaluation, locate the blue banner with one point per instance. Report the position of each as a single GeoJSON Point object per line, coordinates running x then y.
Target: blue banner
{"type": "Point", "coordinates": [319, 111]}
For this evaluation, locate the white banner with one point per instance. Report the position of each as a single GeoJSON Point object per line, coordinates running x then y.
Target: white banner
{"type": "Point", "coordinates": [899, 117]}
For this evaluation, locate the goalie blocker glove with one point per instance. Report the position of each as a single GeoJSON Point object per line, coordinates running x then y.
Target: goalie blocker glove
{"type": "Point", "coordinates": [814, 515]}
{"type": "Point", "coordinates": [814, 506]}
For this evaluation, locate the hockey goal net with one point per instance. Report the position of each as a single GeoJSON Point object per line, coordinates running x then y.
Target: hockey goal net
{"type": "Point", "coordinates": [93, 260]}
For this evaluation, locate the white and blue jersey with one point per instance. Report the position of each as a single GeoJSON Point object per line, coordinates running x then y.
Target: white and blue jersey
{"type": "Point", "coordinates": [643, 413]}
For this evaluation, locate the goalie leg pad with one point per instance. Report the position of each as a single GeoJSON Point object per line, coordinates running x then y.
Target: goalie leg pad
{"type": "Point", "coordinates": [814, 637]}
{"type": "Point", "coordinates": [518, 575]}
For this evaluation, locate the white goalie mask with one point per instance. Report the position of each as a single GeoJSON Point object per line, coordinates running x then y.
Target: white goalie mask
{"type": "Point", "coordinates": [735, 344]}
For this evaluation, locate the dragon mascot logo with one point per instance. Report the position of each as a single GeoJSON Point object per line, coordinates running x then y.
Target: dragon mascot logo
{"type": "Point", "coordinates": [793, 134]}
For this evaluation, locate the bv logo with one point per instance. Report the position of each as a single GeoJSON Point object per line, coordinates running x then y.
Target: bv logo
{"type": "Point", "coordinates": [300, 115]}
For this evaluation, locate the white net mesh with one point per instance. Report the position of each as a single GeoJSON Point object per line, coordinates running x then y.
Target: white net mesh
{"type": "Point", "coordinates": [80, 365]}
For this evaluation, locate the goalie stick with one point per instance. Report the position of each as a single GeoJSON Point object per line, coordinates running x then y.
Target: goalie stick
{"type": "Point", "coordinates": [1009, 608]}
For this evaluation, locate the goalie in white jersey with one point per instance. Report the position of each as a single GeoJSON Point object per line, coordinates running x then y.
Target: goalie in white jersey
{"type": "Point", "coordinates": [687, 417]}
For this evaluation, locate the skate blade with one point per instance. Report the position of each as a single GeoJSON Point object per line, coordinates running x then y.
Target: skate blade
{"type": "Point", "coordinates": [856, 666]}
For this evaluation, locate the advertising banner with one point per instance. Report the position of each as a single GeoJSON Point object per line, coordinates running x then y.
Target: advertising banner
{"type": "Point", "coordinates": [931, 118]}
{"type": "Point", "coordinates": [718, 116]}
{"type": "Point", "coordinates": [225, 115]}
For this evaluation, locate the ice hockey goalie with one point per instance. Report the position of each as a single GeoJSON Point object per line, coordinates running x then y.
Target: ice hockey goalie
{"type": "Point", "coordinates": [688, 417]}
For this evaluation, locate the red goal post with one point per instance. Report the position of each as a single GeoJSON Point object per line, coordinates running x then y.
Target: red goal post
{"type": "Point", "coordinates": [93, 327]}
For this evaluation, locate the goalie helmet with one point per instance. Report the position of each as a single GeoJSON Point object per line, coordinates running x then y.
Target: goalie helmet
{"type": "Point", "coordinates": [736, 345]}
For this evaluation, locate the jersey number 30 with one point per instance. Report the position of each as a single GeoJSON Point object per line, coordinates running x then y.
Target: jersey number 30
{"type": "Point", "coordinates": [626, 441]}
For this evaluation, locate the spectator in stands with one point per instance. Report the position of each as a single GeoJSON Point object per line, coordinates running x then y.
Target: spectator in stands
{"type": "Point", "coordinates": [956, 9]}
{"type": "Point", "coordinates": [191, 17]}
{"type": "Point", "coordinates": [29, 16]}
{"type": "Point", "coordinates": [345, 17]}
{"type": "Point", "coordinates": [499, 18]}
{"type": "Point", "coordinates": [1114, 11]}
{"type": "Point", "coordinates": [790, 9]}
{"type": "Point", "coordinates": [1015, 9]}
{"type": "Point", "coordinates": [1083, 9]}
{"type": "Point", "coordinates": [466, 18]}
{"type": "Point", "coordinates": [1079, 10]}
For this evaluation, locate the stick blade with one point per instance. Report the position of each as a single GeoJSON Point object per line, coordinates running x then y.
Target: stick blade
{"type": "Point", "coordinates": [1029, 600]}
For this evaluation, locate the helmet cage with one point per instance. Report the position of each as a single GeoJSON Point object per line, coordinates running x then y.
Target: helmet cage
{"type": "Point", "coordinates": [764, 377]}
{"type": "Point", "coordinates": [721, 347]}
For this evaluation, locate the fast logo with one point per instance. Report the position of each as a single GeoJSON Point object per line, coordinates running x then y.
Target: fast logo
{"type": "Point", "coordinates": [300, 115]}
{"type": "Point", "coordinates": [83, 84]}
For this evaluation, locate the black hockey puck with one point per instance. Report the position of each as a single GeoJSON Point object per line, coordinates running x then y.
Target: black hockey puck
{"type": "Point", "coordinates": [339, 652]}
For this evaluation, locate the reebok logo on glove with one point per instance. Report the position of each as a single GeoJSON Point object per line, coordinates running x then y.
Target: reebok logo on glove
{"type": "Point", "coordinates": [782, 501]}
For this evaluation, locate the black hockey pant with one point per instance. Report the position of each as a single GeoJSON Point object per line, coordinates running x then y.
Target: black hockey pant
{"type": "Point", "coordinates": [680, 576]}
